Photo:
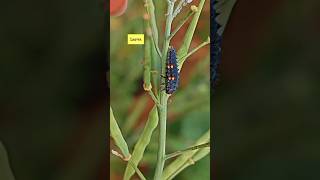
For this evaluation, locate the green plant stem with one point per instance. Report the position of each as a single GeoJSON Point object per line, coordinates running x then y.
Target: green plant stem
{"type": "Point", "coordinates": [189, 34]}
{"type": "Point", "coordinates": [153, 23]}
{"type": "Point", "coordinates": [154, 98]}
{"type": "Point", "coordinates": [162, 109]}
{"type": "Point", "coordinates": [181, 24]}
{"type": "Point", "coordinates": [147, 63]}
{"type": "Point", "coordinates": [177, 153]}
{"type": "Point", "coordinates": [186, 157]}
{"type": "Point", "coordinates": [198, 156]}
{"type": "Point", "coordinates": [130, 163]}
{"type": "Point", "coordinates": [143, 142]}
{"type": "Point", "coordinates": [197, 48]}
{"type": "Point", "coordinates": [162, 136]}
{"type": "Point", "coordinates": [141, 176]}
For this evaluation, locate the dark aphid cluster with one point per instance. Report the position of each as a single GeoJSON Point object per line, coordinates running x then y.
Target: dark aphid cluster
{"type": "Point", "coordinates": [172, 72]}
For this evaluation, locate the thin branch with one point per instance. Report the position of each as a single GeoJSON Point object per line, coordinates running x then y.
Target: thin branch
{"type": "Point", "coordinates": [130, 163]}
{"type": "Point", "coordinates": [191, 161]}
{"type": "Point", "coordinates": [178, 8]}
{"type": "Point", "coordinates": [153, 23]}
{"type": "Point", "coordinates": [157, 47]}
{"type": "Point", "coordinates": [187, 157]}
{"type": "Point", "coordinates": [154, 98]}
{"type": "Point", "coordinates": [195, 49]}
{"type": "Point", "coordinates": [141, 176]}
{"type": "Point", "coordinates": [177, 153]}
{"type": "Point", "coordinates": [181, 24]}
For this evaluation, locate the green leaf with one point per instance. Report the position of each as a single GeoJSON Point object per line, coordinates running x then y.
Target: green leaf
{"type": "Point", "coordinates": [147, 65]}
{"type": "Point", "coordinates": [183, 51]}
{"type": "Point", "coordinates": [142, 142]}
{"type": "Point", "coordinates": [117, 136]}
{"type": "Point", "coordinates": [184, 160]}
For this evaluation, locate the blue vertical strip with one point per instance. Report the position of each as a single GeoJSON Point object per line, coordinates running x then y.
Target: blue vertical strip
{"type": "Point", "coordinates": [215, 45]}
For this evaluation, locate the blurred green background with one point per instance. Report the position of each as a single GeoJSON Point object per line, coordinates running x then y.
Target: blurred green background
{"type": "Point", "coordinates": [53, 89]}
{"type": "Point", "coordinates": [266, 108]}
{"type": "Point", "coordinates": [189, 106]}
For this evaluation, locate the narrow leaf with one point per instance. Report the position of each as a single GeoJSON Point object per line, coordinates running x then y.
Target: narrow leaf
{"type": "Point", "coordinates": [196, 157]}
{"type": "Point", "coordinates": [147, 65]}
{"type": "Point", "coordinates": [142, 142]}
{"type": "Point", "coordinates": [153, 23]}
{"type": "Point", "coordinates": [183, 51]}
{"type": "Point", "coordinates": [181, 160]}
{"type": "Point", "coordinates": [117, 136]}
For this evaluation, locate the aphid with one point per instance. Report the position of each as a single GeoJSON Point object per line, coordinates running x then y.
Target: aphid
{"type": "Point", "coordinates": [172, 72]}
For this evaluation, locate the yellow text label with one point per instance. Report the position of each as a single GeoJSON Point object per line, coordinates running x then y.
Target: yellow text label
{"type": "Point", "coordinates": [135, 38]}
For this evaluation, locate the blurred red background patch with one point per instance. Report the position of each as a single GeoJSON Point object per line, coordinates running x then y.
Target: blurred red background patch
{"type": "Point", "coordinates": [118, 7]}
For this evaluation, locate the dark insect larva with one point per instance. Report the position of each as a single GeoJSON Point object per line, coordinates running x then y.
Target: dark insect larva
{"type": "Point", "coordinates": [172, 72]}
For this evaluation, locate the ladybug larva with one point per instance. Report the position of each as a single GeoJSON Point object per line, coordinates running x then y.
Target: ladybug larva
{"type": "Point", "coordinates": [172, 72]}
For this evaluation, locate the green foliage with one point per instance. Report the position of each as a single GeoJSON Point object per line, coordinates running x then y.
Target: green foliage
{"type": "Point", "coordinates": [142, 142]}
{"type": "Point", "coordinates": [146, 142]}
{"type": "Point", "coordinates": [184, 160]}
{"type": "Point", "coordinates": [183, 51]}
{"type": "Point", "coordinates": [117, 136]}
